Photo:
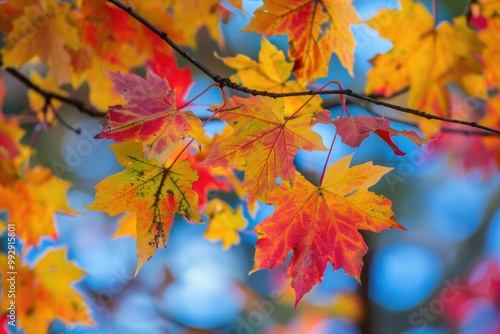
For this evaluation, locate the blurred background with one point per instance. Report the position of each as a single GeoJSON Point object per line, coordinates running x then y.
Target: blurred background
{"type": "Point", "coordinates": [440, 276]}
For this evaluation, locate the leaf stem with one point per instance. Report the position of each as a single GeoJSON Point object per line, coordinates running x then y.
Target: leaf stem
{"type": "Point", "coordinates": [62, 121]}
{"type": "Point", "coordinates": [33, 140]}
{"type": "Point", "coordinates": [342, 99]}
{"type": "Point", "coordinates": [197, 96]}
{"type": "Point", "coordinates": [435, 11]}
{"type": "Point", "coordinates": [224, 97]}
{"type": "Point", "coordinates": [344, 108]}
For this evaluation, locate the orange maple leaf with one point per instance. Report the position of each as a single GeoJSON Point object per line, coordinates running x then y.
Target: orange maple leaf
{"type": "Point", "coordinates": [11, 10]}
{"type": "Point", "coordinates": [263, 144]}
{"type": "Point", "coordinates": [44, 292]}
{"type": "Point", "coordinates": [491, 56]}
{"type": "Point", "coordinates": [11, 151]}
{"type": "Point", "coordinates": [105, 32]}
{"type": "Point", "coordinates": [320, 223]}
{"type": "Point", "coordinates": [315, 29]}
{"type": "Point", "coordinates": [150, 115]}
{"type": "Point", "coordinates": [32, 202]}
{"type": "Point", "coordinates": [153, 191]}
{"type": "Point", "coordinates": [417, 59]}
{"type": "Point", "coordinates": [45, 30]}
{"type": "Point", "coordinates": [272, 73]}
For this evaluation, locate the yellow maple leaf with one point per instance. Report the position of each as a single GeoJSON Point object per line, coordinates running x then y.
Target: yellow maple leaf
{"type": "Point", "coordinates": [417, 59]}
{"type": "Point", "coordinates": [191, 15]}
{"type": "Point", "coordinates": [224, 223]}
{"type": "Point", "coordinates": [46, 31]}
{"type": "Point", "coordinates": [491, 54]}
{"type": "Point", "coordinates": [182, 19]}
{"type": "Point", "coordinates": [126, 226]}
{"type": "Point", "coordinates": [153, 191]}
{"type": "Point", "coordinates": [44, 293]}
{"type": "Point", "coordinates": [315, 29]}
{"type": "Point", "coordinates": [272, 73]}
{"type": "Point", "coordinates": [32, 202]}
{"type": "Point", "coordinates": [490, 7]}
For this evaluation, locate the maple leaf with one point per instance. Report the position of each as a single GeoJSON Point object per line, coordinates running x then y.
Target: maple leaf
{"type": "Point", "coordinates": [263, 144]}
{"type": "Point", "coordinates": [49, 41]}
{"type": "Point", "coordinates": [272, 74]}
{"type": "Point", "coordinates": [103, 27]}
{"type": "Point", "coordinates": [153, 191]}
{"type": "Point", "coordinates": [11, 10]}
{"type": "Point", "coordinates": [491, 55]}
{"type": "Point", "coordinates": [211, 179]}
{"type": "Point", "coordinates": [160, 14]}
{"type": "Point", "coordinates": [160, 57]}
{"type": "Point", "coordinates": [105, 31]}
{"type": "Point", "coordinates": [150, 115]}
{"type": "Point", "coordinates": [183, 19]}
{"type": "Point", "coordinates": [416, 60]}
{"type": "Point", "coordinates": [165, 65]}
{"type": "Point", "coordinates": [354, 129]}
{"type": "Point", "coordinates": [11, 150]}
{"type": "Point", "coordinates": [320, 223]}
{"type": "Point", "coordinates": [191, 15]}
{"type": "Point", "coordinates": [44, 293]}
{"type": "Point", "coordinates": [126, 226]}
{"type": "Point", "coordinates": [489, 8]}
{"type": "Point", "coordinates": [315, 29]}
{"type": "Point", "coordinates": [32, 202]}
{"type": "Point", "coordinates": [224, 223]}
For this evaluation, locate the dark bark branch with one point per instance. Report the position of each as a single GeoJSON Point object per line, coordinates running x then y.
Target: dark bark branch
{"type": "Point", "coordinates": [225, 82]}
{"type": "Point", "coordinates": [49, 96]}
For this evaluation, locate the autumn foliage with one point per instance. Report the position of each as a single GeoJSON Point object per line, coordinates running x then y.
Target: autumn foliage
{"type": "Point", "coordinates": [171, 166]}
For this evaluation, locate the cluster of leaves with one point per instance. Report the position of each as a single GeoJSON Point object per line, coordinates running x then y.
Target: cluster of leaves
{"type": "Point", "coordinates": [171, 165]}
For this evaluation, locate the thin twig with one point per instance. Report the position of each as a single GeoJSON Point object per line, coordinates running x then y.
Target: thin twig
{"type": "Point", "coordinates": [49, 96]}
{"type": "Point", "coordinates": [435, 11]}
{"type": "Point", "coordinates": [62, 121]}
{"type": "Point", "coordinates": [443, 129]}
{"type": "Point", "coordinates": [225, 82]}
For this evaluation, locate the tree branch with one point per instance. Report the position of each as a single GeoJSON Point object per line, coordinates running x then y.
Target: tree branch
{"type": "Point", "coordinates": [443, 129]}
{"type": "Point", "coordinates": [225, 82]}
{"type": "Point", "coordinates": [49, 96]}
